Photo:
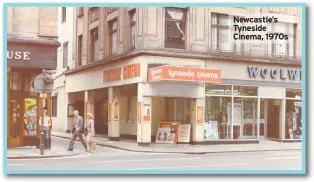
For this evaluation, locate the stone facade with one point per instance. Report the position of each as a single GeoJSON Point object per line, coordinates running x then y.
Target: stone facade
{"type": "Point", "coordinates": [34, 22]}
{"type": "Point", "coordinates": [150, 29]}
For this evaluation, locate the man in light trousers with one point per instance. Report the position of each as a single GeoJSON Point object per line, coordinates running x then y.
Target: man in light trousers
{"type": "Point", "coordinates": [77, 131]}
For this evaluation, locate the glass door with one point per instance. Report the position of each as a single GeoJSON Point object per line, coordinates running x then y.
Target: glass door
{"type": "Point", "coordinates": [14, 129]}
{"type": "Point", "coordinates": [263, 119]}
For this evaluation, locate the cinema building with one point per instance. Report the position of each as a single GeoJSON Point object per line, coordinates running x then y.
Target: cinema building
{"type": "Point", "coordinates": [177, 65]}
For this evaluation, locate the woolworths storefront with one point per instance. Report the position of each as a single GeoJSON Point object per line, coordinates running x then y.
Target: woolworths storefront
{"type": "Point", "coordinates": [254, 101]}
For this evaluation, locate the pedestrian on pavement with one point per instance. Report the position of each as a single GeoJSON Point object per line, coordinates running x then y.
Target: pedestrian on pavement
{"type": "Point", "coordinates": [77, 131]}
{"type": "Point", "coordinates": [90, 131]}
{"type": "Point", "coordinates": [46, 128]}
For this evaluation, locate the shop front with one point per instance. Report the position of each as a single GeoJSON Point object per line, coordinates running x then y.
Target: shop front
{"type": "Point", "coordinates": [253, 102]}
{"type": "Point", "coordinates": [177, 96]}
{"type": "Point", "coordinates": [26, 59]}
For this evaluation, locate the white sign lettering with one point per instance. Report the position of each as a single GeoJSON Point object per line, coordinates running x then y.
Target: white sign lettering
{"type": "Point", "coordinates": [18, 55]}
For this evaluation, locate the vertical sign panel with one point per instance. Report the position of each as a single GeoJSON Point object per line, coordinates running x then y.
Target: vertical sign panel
{"type": "Point", "coordinates": [199, 114]}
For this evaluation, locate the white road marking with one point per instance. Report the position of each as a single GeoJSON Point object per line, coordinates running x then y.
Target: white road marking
{"type": "Point", "coordinates": [276, 158]}
{"type": "Point", "coordinates": [145, 160]}
{"type": "Point", "coordinates": [16, 164]}
{"type": "Point", "coordinates": [200, 166]}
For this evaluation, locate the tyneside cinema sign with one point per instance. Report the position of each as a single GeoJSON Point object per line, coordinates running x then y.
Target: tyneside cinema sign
{"type": "Point", "coordinates": [274, 73]}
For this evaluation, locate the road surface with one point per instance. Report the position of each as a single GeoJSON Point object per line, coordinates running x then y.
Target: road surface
{"type": "Point", "coordinates": [113, 159]}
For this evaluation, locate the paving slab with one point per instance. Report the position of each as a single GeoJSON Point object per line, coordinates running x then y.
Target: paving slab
{"type": "Point", "coordinates": [32, 152]}
{"type": "Point", "coordinates": [131, 145]}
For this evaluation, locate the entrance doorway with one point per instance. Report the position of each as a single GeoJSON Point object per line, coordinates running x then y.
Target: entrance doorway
{"type": "Point", "coordinates": [101, 117]}
{"type": "Point", "coordinates": [13, 123]}
{"type": "Point", "coordinates": [273, 118]}
{"type": "Point", "coordinates": [178, 110]}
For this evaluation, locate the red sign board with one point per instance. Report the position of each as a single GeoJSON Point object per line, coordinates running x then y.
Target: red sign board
{"type": "Point", "coordinates": [177, 73]}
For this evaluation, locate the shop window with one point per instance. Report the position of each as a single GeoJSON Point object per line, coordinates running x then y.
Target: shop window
{"type": "Point", "coordinates": [94, 44]}
{"type": "Point", "coordinates": [293, 124]}
{"type": "Point", "coordinates": [175, 27]}
{"type": "Point", "coordinates": [222, 32]}
{"type": "Point", "coordinates": [244, 91]}
{"type": "Point", "coordinates": [113, 26]}
{"type": "Point", "coordinates": [293, 93]}
{"type": "Point", "coordinates": [64, 14]}
{"type": "Point", "coordinates": [218, 89]}
{"type": "Point", "coordinates": [54, 106]}
{"type": "Point", "coordinates": [245, 118]}
{"type": "Point", "coordinates": [30, 116]}
{"type": "Point", "coordinates": [65, 54]}
{"type": "Point", "coordinates": [80, 50]}
{"type": "Point", "coordinates": [15, 81]}
{"type": "Point", "coordinates": [133, 28]}
{"type": "Point", "coordinates": [282, 47]}
{"type": "Point", "coordinates": [218, 113]}
{"type": "Point", "coordinates": [28, 79]}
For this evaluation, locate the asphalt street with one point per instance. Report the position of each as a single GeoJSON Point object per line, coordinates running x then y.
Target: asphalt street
{"type": "Point", "coordinates": [113, 159]}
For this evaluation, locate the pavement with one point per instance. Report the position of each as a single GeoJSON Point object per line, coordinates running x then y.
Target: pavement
{"type": "Point", "coordinates": [131, 145]}
{"type": "Point", "coordinates": [32, 152]}
{"type": "Point", "coordinates": [107, 159]}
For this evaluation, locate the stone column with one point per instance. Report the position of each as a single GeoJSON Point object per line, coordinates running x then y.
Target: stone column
{"type": "Point", "coordinates": [114, 115]}
{"type": "Point", "coordinates": [197, 126]}
{"type": "Point", "coordinates": [143, 123]}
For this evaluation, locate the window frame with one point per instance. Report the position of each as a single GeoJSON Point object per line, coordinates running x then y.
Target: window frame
{"type": "Point", "coordinates": [65, 61]}
{"type": "Point", "coordinates": [80, 50]}
{"type": "Point", "coordinates": [92, 47]}
{"type": "Point", "coordinates": [111, 32]}
{"type": "Point", "coordinates": [184, 20]}
{"type": "Point", "coordinates": [64, 14]}
{"type": "Point", "coordinates": [132, 24]}
{"type": "Point", "coordinates": [218, 27]}
{"type": "Point", "coordinates": [54, 106]}
{"type": "Point", "coordinates": [287, 52]}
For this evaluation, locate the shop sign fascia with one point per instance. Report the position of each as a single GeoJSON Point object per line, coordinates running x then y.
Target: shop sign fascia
{"type": "Point", "coordinates": [189, 74]}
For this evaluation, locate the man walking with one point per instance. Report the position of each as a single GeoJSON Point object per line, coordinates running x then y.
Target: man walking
{"type": "Point", "coordinates": [77, 131]}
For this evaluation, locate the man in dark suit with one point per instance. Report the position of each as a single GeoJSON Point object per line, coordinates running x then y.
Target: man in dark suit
{"type": "Point", "coordinates": [77, 131]}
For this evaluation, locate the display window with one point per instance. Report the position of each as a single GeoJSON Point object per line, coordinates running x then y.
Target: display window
{"type": "Point", "coordinates": [232, 111]}
{"type": "Point", "coordinates": [293, 129]}
{"type": "Point", "coordinates": [218, 113]}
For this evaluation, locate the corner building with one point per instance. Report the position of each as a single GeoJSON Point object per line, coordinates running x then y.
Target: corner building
{"type": "Point", "coordinates": [31, 47]}
{"type": "Point", "coordinates": [182, 65]}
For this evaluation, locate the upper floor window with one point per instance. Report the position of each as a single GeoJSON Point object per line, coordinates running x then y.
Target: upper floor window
{"type": "Point", "coordinates": [133, 28]}
{"type": "Point", "coordinates": [113, 27]}
{"type": "Point", "coordinates": [54, 106]}
{"type": "Point", "coordinates": [80, 50]}
{"type": "Point", "coordinates": [94, 44]}
{"type": "Point", "coordinates": [222, 34]}
{"type": "Point", "coordinates": [64, 14]}
{"type": "Point", "coordinates": [175, 27]}
{"type": "Point", "coordinates": [80, 11]}
{"type": "Point", "coordinates": [65, 54]}
{"type": "Point", "coordinates": [283, 47]}
{"type": "Point", "coordinates": [111, 9]}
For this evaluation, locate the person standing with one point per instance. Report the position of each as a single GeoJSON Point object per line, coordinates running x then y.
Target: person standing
{"type": "Point", "coordinates": [77, 131]}
{"type": "Point", "coordinates": [46, 127]}
{"type": "Point", "coordinates": [90, 130]}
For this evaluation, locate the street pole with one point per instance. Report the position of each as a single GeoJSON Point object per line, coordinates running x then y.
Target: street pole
{"type": "Point", "coordinates": [42, 96]}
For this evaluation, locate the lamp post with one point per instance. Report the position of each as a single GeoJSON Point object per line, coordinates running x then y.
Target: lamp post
{"type": "Point", "coordinates": [43, 84]}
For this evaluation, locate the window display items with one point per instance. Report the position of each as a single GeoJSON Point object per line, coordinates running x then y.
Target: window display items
{"type": "Point", "coordinates": [211, 130]}
{"type": "Point", "coordinates": [30, 116]}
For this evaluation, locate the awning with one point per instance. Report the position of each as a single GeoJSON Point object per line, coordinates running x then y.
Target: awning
{"type": "Point", "coordinates": [178, 73]}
